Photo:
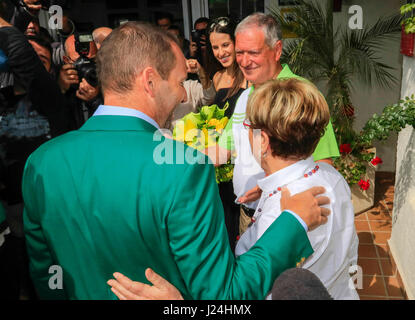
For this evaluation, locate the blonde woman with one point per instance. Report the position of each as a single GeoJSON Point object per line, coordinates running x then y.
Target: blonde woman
{"type": "Point", "coordinates": [286, 120]}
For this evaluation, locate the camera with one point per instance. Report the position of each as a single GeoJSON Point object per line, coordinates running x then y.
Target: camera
{"type": "Point", "coordinates": [45, 3]}
{"type": "Point", "coordinates": [197, 36]}
{"type": "Point", "coordinates": [85, 67]}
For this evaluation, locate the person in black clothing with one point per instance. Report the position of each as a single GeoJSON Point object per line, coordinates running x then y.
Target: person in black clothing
{"type": "Point", "coordinates": [83, 98]}
{"type": "Point", "coordinates": [198, 40]}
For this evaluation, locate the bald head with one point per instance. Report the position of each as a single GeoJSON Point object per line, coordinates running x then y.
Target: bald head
{"type": "Point", "coordinates": [71, 51]}
{"type": "Point", "coordinates": [100, 34]}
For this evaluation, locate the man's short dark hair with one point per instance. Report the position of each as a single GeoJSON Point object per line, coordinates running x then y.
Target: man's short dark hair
{"type": "Point", "coordinates": [164, 15]}
{"type": "Point", "coordinates": [41, 41]}
{"type": "Point", "coordinates": [175, 27]}
{"type": "Point", "coordinates": [201, 20]}
{"type": "Point", "coordinates": [6, 9]}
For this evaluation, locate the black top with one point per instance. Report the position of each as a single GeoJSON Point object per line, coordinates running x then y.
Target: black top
{"type": "Point", "coordinates": [221, 94]}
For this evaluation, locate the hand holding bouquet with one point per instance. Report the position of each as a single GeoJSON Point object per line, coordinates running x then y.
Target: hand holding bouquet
{"type": "Point", "coordinates": [202, 130]}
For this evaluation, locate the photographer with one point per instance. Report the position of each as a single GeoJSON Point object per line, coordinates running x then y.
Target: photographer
{"type": "Point", "coordinates": [197, 46]}
{"type": "Point", "coordinates": [77, 78]}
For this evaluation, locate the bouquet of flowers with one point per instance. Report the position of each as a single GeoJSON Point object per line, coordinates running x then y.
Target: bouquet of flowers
{"type": "Point", "coordinates": [202, 130]}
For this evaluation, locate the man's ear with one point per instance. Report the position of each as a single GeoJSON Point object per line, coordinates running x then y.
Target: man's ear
{"type": "Point", "coordinates": [149, 78]}
{"type": "Point", "coordinates": [278, 50]}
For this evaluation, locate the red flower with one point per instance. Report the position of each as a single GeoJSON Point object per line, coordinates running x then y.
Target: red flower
{"type": "Point", "coordinates": [345, 148]}
{"type": "Point", "coordinates": [375, 161]}
{"type": "Point", "coordinates": [364, 185]}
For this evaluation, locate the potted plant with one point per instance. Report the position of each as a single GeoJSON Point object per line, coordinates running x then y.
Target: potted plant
{"type": "Point", "coordinates": [408, 29]}
{"type": "Point", "coordinates": [407, 11]}
{"type": "Point", "coordinates": [358, 161]}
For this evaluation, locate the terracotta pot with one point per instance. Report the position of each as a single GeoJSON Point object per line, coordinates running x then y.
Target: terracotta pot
{"type": "Point", "coordinates": [365, 199]}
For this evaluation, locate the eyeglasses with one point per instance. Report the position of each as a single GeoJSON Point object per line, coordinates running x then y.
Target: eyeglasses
{"type": "Point", "coordinates": [247, 124]}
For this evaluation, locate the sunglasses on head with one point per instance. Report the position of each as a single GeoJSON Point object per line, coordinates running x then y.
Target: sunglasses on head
{"type": "Point", "coordinates": [223, 22]}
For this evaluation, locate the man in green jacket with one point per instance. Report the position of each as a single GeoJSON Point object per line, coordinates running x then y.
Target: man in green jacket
{"type": "Point", "coordinates": [104, 198]}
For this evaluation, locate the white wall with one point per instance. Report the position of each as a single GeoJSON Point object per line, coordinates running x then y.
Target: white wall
{"type": "Point", "coordinates": [370, 100]}
{"type": "Point", "coordinates": [402, 242]}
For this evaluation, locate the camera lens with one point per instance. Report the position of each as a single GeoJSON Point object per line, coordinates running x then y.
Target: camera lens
{"type": "Point", "coordinates": [86, 69]}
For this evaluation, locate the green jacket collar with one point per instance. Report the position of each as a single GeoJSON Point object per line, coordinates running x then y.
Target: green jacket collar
{"type": "Point", "coordinates": [117, 123]}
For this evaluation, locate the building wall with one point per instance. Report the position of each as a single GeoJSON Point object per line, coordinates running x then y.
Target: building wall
{"type": "Point", "coordinates": [369, 100]}
{"type": "Point", "coordinates": [402, 242]}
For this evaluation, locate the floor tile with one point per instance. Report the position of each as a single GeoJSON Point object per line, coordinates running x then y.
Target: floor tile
{"type": "Point", "coordinates": [361, 216]}
{"type": "Point", "coordinates": [367, 251]}
{"type": "Point", "coordinates": [381, 237]}
{"type": "Point", "coordinates": [392, 287]}
{"type": "Point", "coordinates": [378, 216]}
{"type": "Point", "coordinates": [369, 266]}
{"type": "Point", "coordinates": [365, 237]}
{"type": "Point", "coordinates": [362, 225]}
{"type": "Point", "coordinates": [382, 250]}
{"type": "Point", "coordinates": [363, 297]}
{"type": "Point", "coordinates": [380, 225]}
{"type": "Point", "coordinates": [387, 268]}
{"type": "Point", "coordinates": [372, 286]}
{"type": "Point", "coordinates": [380, 280]}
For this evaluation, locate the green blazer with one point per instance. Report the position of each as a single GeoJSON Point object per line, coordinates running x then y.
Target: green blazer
{"type": "Point", "coordinates": [99, 200]}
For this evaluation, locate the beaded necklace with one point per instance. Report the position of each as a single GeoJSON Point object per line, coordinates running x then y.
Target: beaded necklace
{"type": "Point", "coordinates": [258, 212]}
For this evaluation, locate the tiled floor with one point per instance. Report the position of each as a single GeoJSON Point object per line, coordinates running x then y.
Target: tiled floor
{"type": "Point", "coordinates": [380, 281]}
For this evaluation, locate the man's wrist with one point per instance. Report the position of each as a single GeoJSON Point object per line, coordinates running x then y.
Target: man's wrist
{"type": "Point", "coordinates": [299, 219]}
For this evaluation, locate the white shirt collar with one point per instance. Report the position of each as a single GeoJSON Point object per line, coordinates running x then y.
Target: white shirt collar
{"type": "Point", "coordinates": [104, 110]}
{"type": "Point", "coordinates": [287, 175]}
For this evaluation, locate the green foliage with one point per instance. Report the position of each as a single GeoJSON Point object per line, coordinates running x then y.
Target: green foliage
{"type": "Point", "coordinates": [407, 11]}
{"type": "Point", "coordinates": [393, 118]}
{"type": "Point", "coordinates": [378, 128]}
{"type": "Point", "coordinates": [224, 173]}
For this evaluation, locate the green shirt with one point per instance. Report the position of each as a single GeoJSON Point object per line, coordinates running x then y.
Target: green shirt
{"type": "Point", "coordinates": [326, 148]}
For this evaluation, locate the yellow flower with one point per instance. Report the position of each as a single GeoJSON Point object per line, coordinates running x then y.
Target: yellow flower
{"type": "Point", "coordinates": [222, 124]}
{"type": "Point", "coordinates": [190, 130]}
{"type": "Point", "coordinates": [179, 131]}
{"type": "Point", "coordinates": [213, 122]}
{"type": "Point", "coordinates": [218, 124]}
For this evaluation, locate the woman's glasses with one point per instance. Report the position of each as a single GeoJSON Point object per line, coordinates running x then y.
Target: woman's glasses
{"type": "Point", "coordinates": [247, 124]}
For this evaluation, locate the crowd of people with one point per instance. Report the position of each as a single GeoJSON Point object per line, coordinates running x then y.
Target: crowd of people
{"type": "Point", "coordinates": [80, 188]}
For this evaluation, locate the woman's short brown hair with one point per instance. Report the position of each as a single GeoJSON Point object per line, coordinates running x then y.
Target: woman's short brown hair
{"type": "Point", "coordinates": [292, 112]}
{"type": "Point", "coordinates": [128, 50]}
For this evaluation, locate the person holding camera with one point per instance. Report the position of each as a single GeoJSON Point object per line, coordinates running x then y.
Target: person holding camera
{"type": "Point", "coordinates": [197, 48]}
{"type": "Point", "coordinates": [77, 78]}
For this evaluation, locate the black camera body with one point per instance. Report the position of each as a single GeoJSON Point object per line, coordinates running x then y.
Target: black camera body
{"type": "Point", "coordinates": [197, 36]}
{"type": "Point", "coordinates": [85, 67]}
{"type": "Point", "coordinates": [45, 3]}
